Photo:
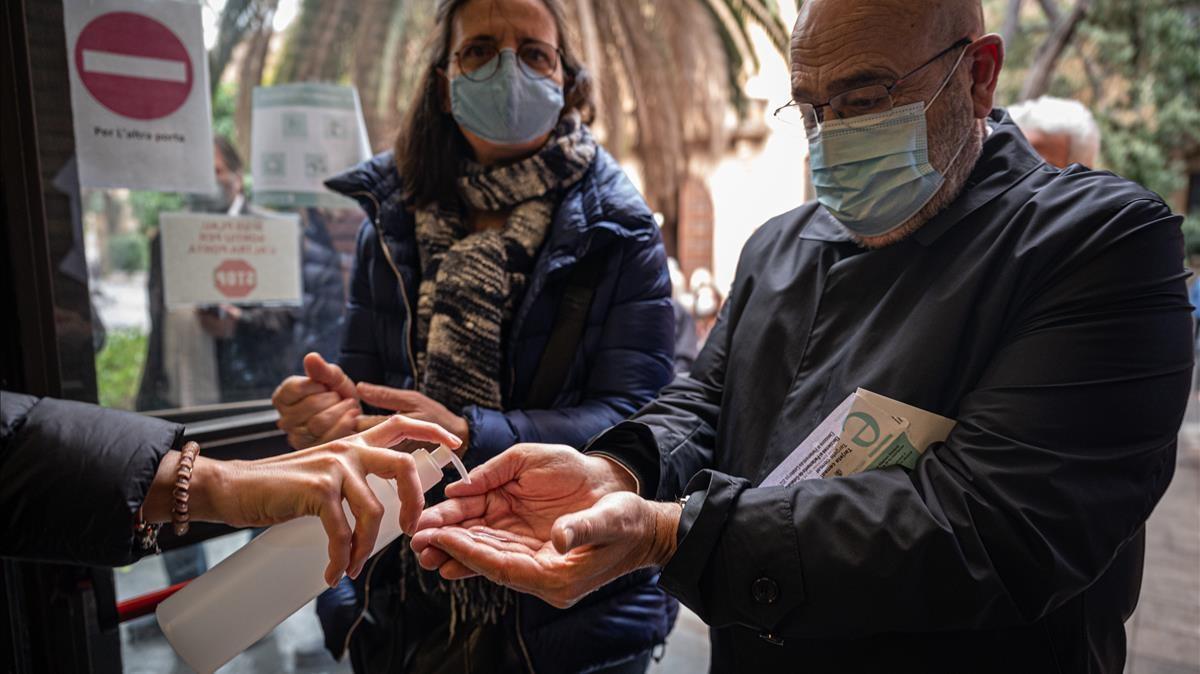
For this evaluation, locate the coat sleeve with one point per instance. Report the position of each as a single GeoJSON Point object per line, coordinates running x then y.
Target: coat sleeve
{"type": "Point", "coordinates": [1059, 454]}
{"type": "Point", "coordinates": [72, 477]}
{"type": "Point", "coordinates": [633, 361]}
{"type": "Point", "coordinates": [359, 355]}
{"type": "Point", "coordinates": [672, 438]}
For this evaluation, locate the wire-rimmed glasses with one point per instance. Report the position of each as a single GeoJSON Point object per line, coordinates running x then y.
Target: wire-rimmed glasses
{"type": "Point", "coordinates": [478, 59]}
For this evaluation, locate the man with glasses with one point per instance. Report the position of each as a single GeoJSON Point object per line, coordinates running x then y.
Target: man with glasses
{"type": "Point", "coordinates": [944, 265]}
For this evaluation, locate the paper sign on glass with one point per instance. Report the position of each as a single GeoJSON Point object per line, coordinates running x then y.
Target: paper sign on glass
{"type": "Point", "coordinates": [865, 431]}
{"type": "Point", "coordinates": [139, 95]}
{"type": "Point", "coordinates": [230, 259]}
{"type": "Point", "coordinates": [301, 135]}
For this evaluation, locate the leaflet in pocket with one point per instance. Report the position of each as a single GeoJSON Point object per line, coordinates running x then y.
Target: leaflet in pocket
{"type": "Point", "coordinates": [866, 431]}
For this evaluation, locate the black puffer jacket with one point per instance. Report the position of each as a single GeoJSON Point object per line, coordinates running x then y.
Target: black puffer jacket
{"type": "Point", "coordinates": [72, 477]}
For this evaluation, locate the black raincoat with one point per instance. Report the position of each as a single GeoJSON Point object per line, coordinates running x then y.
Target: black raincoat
{"type": "Point", "coordinates": [1046, 311]}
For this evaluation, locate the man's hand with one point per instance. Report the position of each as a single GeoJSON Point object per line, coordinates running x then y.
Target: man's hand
{"type": "Point", "coordinates": [309, 482]}
{"type": "Point", "coordinates": [320, 407]}
{"type": "Point", "coordinates": [619, 534]}
{"type": "Point", "coordinates": [221, 321]}
{"type": "Point", "coordinates": [411, 404]}
{"type": "Point", "coordinates": [523, 491]}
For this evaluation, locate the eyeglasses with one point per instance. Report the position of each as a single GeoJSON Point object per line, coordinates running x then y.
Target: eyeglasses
{"type": "Point", "coordinates": [866, 100]}
{"type": "Point", "coordinates": [477, 59]}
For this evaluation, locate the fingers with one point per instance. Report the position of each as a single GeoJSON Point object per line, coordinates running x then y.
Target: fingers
{"type": "Point", "coordinates": [298, 414]}
{"type": "Point", "coordinates": [432, 558]}
{"type": "Point", "coordinates": [412, 495]}
{"type": "Point", "coordinates": [453, 511]}
{"type": "Point", "coordinates": [337, 529]}
{"type": "Point", "coordinates": [456, 570]}
{"type": "Point", "coordinates": [493, 474]}
{"type": "Point", "coordinates": [403, 469]}
{"type": "Point", "coordinates": [294, 389]}
{"type": "Point", "coordinates": [398, 428]}
{"type": "Point", "coordinates": [368, 515]}
{"type": "Point", "coordinates": [330, 375]}
{"type": "Point", "coordinates": [518, 571]}
{"type": "Point", "coordinates": [595, 526]}
{"type": "Point", "coordinates": [338, 417]}
{"type": "Point", "coordinates": [387, 397]}
{"type": "Point", "coordinates": [367, 421]}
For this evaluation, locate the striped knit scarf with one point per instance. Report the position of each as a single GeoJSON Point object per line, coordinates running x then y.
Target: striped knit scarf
{"type": "Point", "coordinates": [471, 284]}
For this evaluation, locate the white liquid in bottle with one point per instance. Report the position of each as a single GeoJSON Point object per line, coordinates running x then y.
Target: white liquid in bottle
{"type": "Point", "coordinates": [239, 601]}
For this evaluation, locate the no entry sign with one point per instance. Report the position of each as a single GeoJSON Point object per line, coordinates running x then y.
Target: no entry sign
{"type": "Point", "coordinates": [139, 94]}
{"type": "Point", "coordinates": [133, 65]}
{"type": "Point", "coordinates": [230, 259]}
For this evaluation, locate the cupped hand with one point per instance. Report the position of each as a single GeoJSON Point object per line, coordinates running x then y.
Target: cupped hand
{"type": "Point", "coordinates": [522, 491]}
{"type": "Point", "coordinates": [578, 553]}
{"type": "Point", "coordinates": [320, 406]}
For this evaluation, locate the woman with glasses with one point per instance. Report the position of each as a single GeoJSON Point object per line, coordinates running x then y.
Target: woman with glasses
{"type": "Point", "coordinates": [511, 285]}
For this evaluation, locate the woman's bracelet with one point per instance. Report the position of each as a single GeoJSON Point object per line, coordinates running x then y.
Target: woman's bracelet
{"type": "Point", "coordinates": [183, 478]}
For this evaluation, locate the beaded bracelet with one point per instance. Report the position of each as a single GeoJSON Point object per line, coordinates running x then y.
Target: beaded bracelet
{"type": "Point", "coordinates": [179, 512]}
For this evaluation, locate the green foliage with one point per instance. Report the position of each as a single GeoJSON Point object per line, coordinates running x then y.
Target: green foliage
{"type": "Point", "coordinates": [1136, 65]}
{"type": "Point", "coordinates": [128, 252]}
{"type": "Point", "coordinates": [119, 368]}
{"type": "Point", "coordinates": [1191, 235]}
{"type": "Point", "coordinates": [224, 110]}
{"type": "Point", "coordinates": [1153, 46]}
{"type": "Point", "coordinates": [147, 206]}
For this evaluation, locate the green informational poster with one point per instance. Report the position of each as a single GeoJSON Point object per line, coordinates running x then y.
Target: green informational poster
{"type": "Point", "coordinates": [302, 134]}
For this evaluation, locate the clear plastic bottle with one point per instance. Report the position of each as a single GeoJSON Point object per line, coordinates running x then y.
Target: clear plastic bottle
{"type": "Point", "coordinates": [240, 600]}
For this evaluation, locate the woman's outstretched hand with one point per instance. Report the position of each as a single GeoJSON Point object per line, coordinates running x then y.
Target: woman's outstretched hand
{"type": "Point", "coordinates": [312, 481]}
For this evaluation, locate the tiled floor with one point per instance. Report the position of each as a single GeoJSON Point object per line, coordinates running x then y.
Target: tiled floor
{"type": "Point", "coordinates": [1164, 634]}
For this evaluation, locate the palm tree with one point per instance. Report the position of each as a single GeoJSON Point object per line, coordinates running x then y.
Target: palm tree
{"type": "Point", "coordinates": [668, 73]}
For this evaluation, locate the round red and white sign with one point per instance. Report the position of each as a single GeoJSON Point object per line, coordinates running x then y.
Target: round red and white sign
{"type": "Point", "coordinates": [133, 65]}
{"type": "Point", "coordinates": [235, 278]}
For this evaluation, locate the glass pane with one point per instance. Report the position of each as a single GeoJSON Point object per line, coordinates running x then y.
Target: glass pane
{"type": "Point", "coordinates": [157, 356]}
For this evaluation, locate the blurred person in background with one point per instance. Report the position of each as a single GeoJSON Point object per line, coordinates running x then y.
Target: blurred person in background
{"type": "Point", "coordinates": [1063, 131]}
{"type": "Point", "coordinates": [228, 353]}
{"type": "Point", "coordinates": [706, 302]}
{"type": "Point", "coordinates": [687, 343]}
{"type": "Point", "coordinates": [511, 285]}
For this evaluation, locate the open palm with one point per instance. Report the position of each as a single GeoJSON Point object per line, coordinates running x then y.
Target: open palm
{"type": "Point", "coordinates": [513, 501]}
{"type": "Point", "coordinates": [561, 561]}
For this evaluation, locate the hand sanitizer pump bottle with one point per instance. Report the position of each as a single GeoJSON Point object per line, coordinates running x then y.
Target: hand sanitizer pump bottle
{"type": "Point", "coordinates": [240, 600]}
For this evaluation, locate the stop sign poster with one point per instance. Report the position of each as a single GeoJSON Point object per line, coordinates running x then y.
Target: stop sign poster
{"type": "Point", "coordinates": [139, 94]}
{"type": "Point", "coordinates": [230, 259]}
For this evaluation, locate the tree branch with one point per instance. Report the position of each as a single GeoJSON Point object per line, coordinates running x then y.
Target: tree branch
{"type": "Point", "coordinates": [1012, 22]}
{"type": "Point", "coordinates": [1041, 74]}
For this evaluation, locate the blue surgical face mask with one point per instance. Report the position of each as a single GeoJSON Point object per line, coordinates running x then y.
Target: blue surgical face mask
{"type": "Point", "coordinates": [872, 172]}
{"type": "Point", "coordinates": [508, 108]}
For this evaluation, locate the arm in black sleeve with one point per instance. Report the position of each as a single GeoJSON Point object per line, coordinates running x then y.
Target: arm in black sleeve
{"type": "Point", "coordinates": [1060, 453]}
{"type": "Point", "coordinates": [72, 477]}
{"type": "Point", "coordinates": [672, 437]}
